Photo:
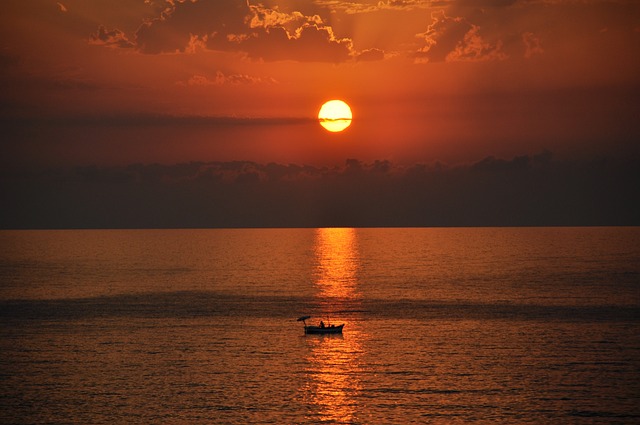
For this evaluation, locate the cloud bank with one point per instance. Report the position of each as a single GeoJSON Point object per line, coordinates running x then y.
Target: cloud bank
{"type": "Point", "coordinates": [524, 191]}
{"type": "Point", "coordinates": [453, 39]}
{"type": "Point", "coordinates": [235, 26]}
{"type": "Point", "coordinates": [270, 33]}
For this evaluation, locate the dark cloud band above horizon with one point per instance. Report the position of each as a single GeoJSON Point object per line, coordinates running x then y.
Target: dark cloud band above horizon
{"type": "Point", "coordinates": [524, 191]}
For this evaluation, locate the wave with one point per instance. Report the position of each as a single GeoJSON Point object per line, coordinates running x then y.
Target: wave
{"type": "Point", "coordinates": [192, 304]}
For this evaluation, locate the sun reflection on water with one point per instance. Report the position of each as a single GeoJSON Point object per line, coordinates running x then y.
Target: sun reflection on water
{"type": "Point", "coordinates": [335, 361]}
{"type": "Point", "coordinates": [334, 377]}
{"type": "Point", "coordinates": [337, 262]}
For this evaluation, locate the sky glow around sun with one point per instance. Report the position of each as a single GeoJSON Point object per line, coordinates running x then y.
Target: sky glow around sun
{"type": "Point", "coordinates": [202, 80]}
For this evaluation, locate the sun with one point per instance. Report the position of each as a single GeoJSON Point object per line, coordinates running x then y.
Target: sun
{"type": "Point", "coordinates": [335, 116]}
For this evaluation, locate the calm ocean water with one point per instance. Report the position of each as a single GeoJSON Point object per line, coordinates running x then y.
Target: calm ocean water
{"type": "Point", "coordinates": [491, 325]}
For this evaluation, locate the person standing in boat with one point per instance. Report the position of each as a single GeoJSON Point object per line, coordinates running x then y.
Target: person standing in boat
{"type": "Point", "coordinates": [321, 324]}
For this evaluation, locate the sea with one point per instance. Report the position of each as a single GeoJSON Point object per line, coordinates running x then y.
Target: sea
{"type": "Point", "coordinates": [442, 326]}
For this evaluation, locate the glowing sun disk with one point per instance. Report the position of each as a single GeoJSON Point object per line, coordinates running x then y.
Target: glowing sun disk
{"type": "Point", "coordinates": [335, 115]}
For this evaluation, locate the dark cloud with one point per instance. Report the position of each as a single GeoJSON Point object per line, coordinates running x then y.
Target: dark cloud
{"type": "Point", "coordinates": [102, 120]}
{"type": "Point", "coordinates": [234, 25]}
{"type": "Point", "coordinates": [113, 38]}
{"type": "Point", "coordinates": [454, 39]}
{"type": "Point", "coordinates": [312, 43]}
{"type": "Point", "coordinates": [172, 31]}
{"type": "Point", "coordinates": [525, 190]}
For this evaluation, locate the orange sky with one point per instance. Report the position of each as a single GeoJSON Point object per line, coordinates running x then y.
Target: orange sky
{"type": "Point", "coordinates": [118, 82]}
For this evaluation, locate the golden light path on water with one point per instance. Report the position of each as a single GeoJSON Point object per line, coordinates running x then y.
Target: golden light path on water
{"type": "Point", "coordinates": [335, 360]}
{"type": "Point", "coordinates": [337, 262]}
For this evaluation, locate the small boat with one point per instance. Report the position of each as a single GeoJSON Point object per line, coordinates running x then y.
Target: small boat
{"type": "Point", "coordinates": [322, 329]}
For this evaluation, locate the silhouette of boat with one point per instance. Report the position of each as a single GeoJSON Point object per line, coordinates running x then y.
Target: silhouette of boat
{"type": "Point", "coordinates": [321, 329]}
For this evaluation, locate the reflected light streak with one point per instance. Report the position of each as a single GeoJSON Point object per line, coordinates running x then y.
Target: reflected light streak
{"type": "Point", "coordinates": [337, 262]}
{"type": "Point", "coordinates": [334, 360]}
{"type": "Point", "coordinates": [334, 371]}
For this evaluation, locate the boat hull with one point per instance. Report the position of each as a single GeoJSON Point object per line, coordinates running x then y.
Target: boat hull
{"type": "Point", "coordinates": [323, 330]}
